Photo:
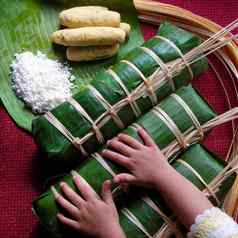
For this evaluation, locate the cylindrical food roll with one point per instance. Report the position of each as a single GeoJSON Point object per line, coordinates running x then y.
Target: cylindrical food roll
{"type": "Point", "coordinates": [125, 27]}
{"type": "Point", "coordinates": [89, 36]}
{"type": "Point", "coordinates": [83, 17]}
{"type": "Point", "coordinates": [89, 53]}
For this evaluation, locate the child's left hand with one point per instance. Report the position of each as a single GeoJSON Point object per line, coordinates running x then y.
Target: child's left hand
{"type": "Point", "coordinates": [90, 215]}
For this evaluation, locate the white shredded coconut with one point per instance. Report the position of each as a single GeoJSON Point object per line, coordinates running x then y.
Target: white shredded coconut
{"type": "Point", "coordinates": [40, 82]}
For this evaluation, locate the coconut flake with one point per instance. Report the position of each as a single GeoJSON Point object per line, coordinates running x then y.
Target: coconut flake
{"type": "Point", "coordinates": [40, 82]}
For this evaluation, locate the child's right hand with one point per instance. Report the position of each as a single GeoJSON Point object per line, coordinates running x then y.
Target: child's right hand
{"type": "Point", "coordinates": [145, 162]}
{"type": "Point", "coordinates": [148, 167]}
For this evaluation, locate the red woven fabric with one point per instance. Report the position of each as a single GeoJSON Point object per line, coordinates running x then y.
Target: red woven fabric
{"type": "Point", "coordinates": [20, 173]}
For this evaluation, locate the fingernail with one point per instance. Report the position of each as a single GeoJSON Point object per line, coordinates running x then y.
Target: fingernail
{"type": "Point", "coordinates": [108, 181]}
{"type": "Point", "coordinates": [62, 184]}
{"type": "Point", "coordinates": [77, 175]}
{"type": "Point", "coordinates": [114, 181]}
{"type": "Point", "coordinates": [54, 191]}
{"type": "Point", "coordinates": [74, 174]}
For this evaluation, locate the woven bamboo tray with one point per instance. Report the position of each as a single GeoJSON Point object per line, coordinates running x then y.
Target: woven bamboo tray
{"type": "Point", "coordinates": [155, 12]}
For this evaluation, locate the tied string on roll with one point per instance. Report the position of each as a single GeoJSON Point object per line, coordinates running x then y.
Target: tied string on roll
{"type": "Point", "coordinates": [107, 167]}
{"type": "Point", "coordinates": [130, 216]}
{"type": "Point", "coordinates": [168, 222]}
{"type": "Point", "coordinates": [82, 112]}
{"type": "Point", "coordinates": [57, 124]}
{"type": "Point", "coordinates": [134, 106]}
{"type": "Point", "coordinates": [163, 66]}
{"type": "Point", "coordinates": [192, 136]}
{"type": "Point", "coordinates": [190, 113]}
{"type": "Point", "coordinates": [149, 84]}
{"type": "Point", "coordinates": [104, 164]}
{"type": "Point", "coordinates": [171, 43]}
{"type": "Point", "coordinates": [110, 109]}
{"type": "Point", "coordinates": [231, 167]}
{"type": "Point", "coordinates": [163, 116]}
{"type": "Point", "coordinates": [199, 177]}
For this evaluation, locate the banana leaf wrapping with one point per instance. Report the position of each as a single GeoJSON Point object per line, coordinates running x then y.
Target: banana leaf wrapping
{"type": "Point", "coordinates": [96, 170]}
{"type": "Point", "coordinates": [197, 158]}
{"type": "Point", "coordinates": [54, 143]}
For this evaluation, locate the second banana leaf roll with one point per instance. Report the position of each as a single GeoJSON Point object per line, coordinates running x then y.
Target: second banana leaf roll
{"type": "Point", "coordinates": [197, 164]}
{"type": "Point", "coordinates": [106, 106]}
{"type": "Point", "coordinates": [96, 169]}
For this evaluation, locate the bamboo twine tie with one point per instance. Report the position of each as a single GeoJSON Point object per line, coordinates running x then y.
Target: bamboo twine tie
{"type": "Point", "coordinates": [190, 113]}
{"type": "Point", "coordinates": [171, 43]}
{"type": "Point", "coordinates": [171, 125]}
{"type": "Point", "coordinates": [135, 126]}
{"type": "Point", "coordinates": [82, 112]}
{"type": "Point", "coordinates": [230, 168]}
{"type": "Point", "coordinates": [57, 124]}
{"type": "Point", "coordinates": [166, 219]}
{"type": "Point", "coordinates": [130, 216]}
{"type": "Point", "coordinates": [199, 177]}
{"type": "Point", "coordinates": [135, 108]}
{"type": "Point", "coordinates": [104, 164]}
{"type": "Point", "coordinates": [110, 109]}
{"type": "Point", "coordinates": [191, 135]}
{"type": "Point", "coordinates": [163, 66]}
{"type": "Point", "coordinates": [147, 82]}
{"type": "Point", "coordinates": [163, 232]}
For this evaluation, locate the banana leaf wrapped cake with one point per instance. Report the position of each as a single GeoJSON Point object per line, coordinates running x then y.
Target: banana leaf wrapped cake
{"type": "Point", "coordinates": [149, 216]}
{"type": "Point", "coordinates": [185, 110]}
{"type": "Point", "coordinates": [117, 96]}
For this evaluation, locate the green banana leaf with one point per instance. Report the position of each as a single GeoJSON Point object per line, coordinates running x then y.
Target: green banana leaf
{"type": "Point", "coordinates": [57, 147]}
{"type": "Point", "coordinates": [45, 206]}
{"type": "Point", "coordinates": [28, 25]}
{"type": "Point", "coordinates": [204, 162]}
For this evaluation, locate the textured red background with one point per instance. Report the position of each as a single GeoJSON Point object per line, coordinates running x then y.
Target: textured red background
{"type": "Point", "coordinates": [21, 176]}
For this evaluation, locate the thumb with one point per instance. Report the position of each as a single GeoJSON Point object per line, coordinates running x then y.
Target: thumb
{"type": "Point", "coordinates": [106, 192]}
{"type": "Point", "coordinates": [125, 178]}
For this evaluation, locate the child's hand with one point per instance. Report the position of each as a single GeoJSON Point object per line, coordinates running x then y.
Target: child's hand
{"type": "Point", "coordinates": [146, 162]}
{"type": "Point", "coordinates": [89, 214]}
{"type": "Point", "coordinates": [148, 167]}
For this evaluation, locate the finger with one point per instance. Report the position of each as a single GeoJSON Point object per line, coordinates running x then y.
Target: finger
{"type": "Point", "coordinates": [146, 137]}
{"type": "Point", "coordinates": [106, 192]}
{"type": "Point", "coordinates": [69, 222]}
{"type": "Point", "coordinates": [125, 178]}
{"type": "Point", "coordinates": [129, 141]}
{"type": "Point", "coordinates": [71, 194]}
{"type": "Point", "coordinates": [120, 147]}
{"type": "Point", "coordinates": [84, 187]}
{"type": "Point", "coordinates": [70, 208]}
{"type": "Point", "coordinates": [116, 157]}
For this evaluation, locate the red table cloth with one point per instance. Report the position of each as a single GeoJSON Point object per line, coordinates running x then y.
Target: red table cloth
{"type": "Point", "coordinates": [21, 172]}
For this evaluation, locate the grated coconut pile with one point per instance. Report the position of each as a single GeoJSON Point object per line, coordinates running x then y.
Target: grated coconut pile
{"type": "Point", "coordinates": [40, 82]}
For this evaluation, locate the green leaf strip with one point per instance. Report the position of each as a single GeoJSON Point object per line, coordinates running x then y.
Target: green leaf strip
{"type": "Point", "coordinates": [179, 52]}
